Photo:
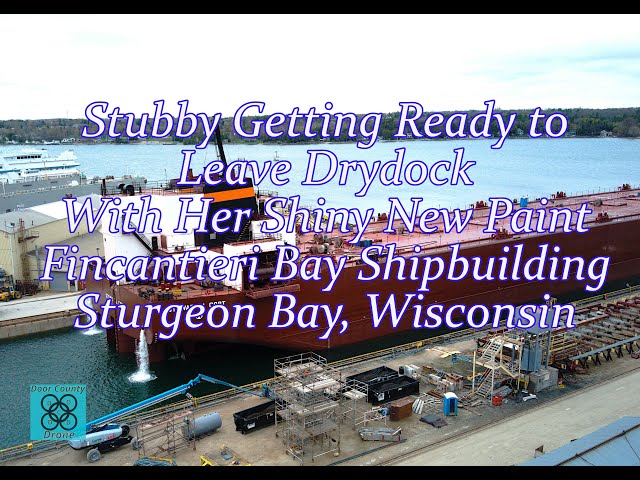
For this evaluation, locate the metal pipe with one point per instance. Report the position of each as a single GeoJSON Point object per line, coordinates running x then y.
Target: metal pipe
{"type": "Point", "coordinates": [223, 158]}
{"type": "Point", "coordinates": [535, 347]}
{"type": "Point", "coordinates": [13, 270]}
{"type": "Point", "coordinates": [605, 348]}
{"type": "Point", "coordinates": [226, 384]}
{"type": "Point", "coordinates": [546, 364]}
{"type": "Point", "coordinates": [473, 375]}
{"type": "Point", "coordinates": [37, 251]}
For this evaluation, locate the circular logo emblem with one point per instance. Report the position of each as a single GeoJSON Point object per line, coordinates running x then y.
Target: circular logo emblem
{"type": "Point", "coordinates": [58, 412]}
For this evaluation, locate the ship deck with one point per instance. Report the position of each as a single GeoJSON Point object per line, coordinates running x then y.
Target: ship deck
{"type": "Point", "coordinates": [620, 205]}
{"type": "Point", "coordinates": [187, 290]}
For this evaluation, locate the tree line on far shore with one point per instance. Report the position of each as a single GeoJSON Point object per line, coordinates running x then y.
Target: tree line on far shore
{"type": "Point", "coordinates": [583, 122]}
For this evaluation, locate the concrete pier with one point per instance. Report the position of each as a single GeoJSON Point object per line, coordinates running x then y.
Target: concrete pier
{"type": "Point", "coordinates": [40, 313]}
{"type": "Point", "coordinates": [591, 394]}
{"type": "Point", "coordinates": [481, 435]}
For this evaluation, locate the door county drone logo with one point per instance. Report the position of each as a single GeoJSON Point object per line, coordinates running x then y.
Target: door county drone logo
{"type": "Point", "coordinates": [58, 412]}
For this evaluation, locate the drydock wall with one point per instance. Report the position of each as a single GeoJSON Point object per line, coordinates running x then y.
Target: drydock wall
{"type": "Point", "coordinates": [40, 313]}
{"type": "Point", "coordinates": [40, 323]}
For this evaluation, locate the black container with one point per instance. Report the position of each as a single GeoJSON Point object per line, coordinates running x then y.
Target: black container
{"type": "Point", "coordinates": [374, 376]}
{"type": "Point", "coordinates": [255, 418]}
{"type": "Point", "coordinates": [392, 389]}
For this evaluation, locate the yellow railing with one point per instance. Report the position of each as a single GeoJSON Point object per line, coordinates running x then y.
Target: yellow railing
{"type": "Point", "coordinates": [212, 398]}
{"type": "Point", "coordinates": [607, 296]}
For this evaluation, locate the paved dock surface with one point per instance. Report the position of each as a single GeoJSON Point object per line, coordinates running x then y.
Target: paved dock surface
{"type": "Point", "coordinates": [554, 424]}
{"type": "Point", "coordinates": [482, 435]}
{"type": "Point", "coordinates": [38, 313]}
{"type": "Point", "coordinates": [40, 304]}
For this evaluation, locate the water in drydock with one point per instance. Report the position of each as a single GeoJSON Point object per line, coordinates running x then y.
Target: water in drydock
{"type": "Point", "coordinates": [521, 167]}
{"type": "Point", "coordinates": [69, 356]}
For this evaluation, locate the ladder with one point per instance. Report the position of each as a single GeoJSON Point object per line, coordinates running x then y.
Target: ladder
{"type": "Point", "coordinates": [245, 233]}
{"type": "Point", "coordinates": [491, 350]}
{"type": "Point", "coordinates": [486, 386]}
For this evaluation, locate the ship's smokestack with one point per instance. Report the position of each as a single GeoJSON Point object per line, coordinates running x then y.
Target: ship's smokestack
{"type": "Point", "coordinates": [238, 195]}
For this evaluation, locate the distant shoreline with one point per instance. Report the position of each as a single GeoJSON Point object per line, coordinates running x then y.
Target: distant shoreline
{"type": "Point", "coordinates": [400, 140]}
{"type": "Point", "coordinates": [578, 122]}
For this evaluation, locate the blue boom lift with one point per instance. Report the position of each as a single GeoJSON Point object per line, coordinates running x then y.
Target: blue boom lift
{"type": "Point", "coordinates": [103, 435]}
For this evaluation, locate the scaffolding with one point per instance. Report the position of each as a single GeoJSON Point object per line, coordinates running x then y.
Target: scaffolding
{"type": "Point", "coordinates": [355, 406]}
{"type": "Point", "coordinates": [309, 405]}
{"type": "Point", "coordinates": [165, 435]}
{"type": "Point", "coordinates": [374, 414]}
{"type": "Point", "coordinates": [497, 366]}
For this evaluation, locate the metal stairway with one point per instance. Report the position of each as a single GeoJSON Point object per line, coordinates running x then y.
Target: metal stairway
{"type": "Point", "coordinates": [245, 233]}
{"type": "Point", "coordinates": [490, 351]}
{"type": "Point", "coordinates": [485, 388]}
{"type": "Point", "coordinates": [497, 367]}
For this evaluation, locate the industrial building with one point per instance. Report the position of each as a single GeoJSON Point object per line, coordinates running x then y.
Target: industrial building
{"type": "Point", "coordinates": [25, 233]}
{"type": "Point", "coordinates": [617, 444]}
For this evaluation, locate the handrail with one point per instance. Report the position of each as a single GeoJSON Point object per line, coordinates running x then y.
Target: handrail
{"type": "Point", "coordinates": [211, 399]}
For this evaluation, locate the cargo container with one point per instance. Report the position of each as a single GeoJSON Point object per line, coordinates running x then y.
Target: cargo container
{"type": "Point", "coordinates": [392, 389]}
{"type": "Point", "coordinates": [255, 418]}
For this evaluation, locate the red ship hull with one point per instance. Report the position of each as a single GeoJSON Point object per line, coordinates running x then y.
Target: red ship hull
{"type": "Point", "coordinates": [617, 240]}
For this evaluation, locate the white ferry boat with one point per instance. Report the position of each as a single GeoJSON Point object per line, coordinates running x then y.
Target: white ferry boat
{"type": "Point", "coordinates": [35, 165]}
{"type": "Point", "coordinates": [29, 177]}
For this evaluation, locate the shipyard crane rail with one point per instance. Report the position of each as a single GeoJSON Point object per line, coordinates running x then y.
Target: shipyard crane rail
{"type": "Point", "coordinates": [161, 397]}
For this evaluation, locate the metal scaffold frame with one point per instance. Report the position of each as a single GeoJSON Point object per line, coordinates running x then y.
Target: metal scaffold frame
{"type": "Point", "coordinates": [309, 405]}
{"type": "Point", "coordinates": [163, 436]}
{"type": "Point", "coordinates": [355, 405]}
{"type": "Point", "coordinates": [600, 330]}
{"type": "Point", "coordinates": [491, 358]}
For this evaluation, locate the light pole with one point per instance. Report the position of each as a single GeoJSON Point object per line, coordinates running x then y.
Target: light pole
{"type": "Point", "coordinates": [13, 226]}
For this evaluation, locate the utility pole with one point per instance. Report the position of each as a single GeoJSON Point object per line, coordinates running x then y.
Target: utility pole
{"type": "Point", "coordinates": [13, 270]}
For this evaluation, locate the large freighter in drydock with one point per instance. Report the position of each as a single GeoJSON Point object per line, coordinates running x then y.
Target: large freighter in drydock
{"type": "Point", "coordinates": [613, 223]}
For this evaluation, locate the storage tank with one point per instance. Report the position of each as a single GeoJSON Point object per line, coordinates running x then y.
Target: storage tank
{"type": "Point", "coordinates": [201, 425]}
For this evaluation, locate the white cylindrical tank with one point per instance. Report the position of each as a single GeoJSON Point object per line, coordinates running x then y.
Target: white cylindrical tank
{"type": "Point", "coordinates": [202, 425]}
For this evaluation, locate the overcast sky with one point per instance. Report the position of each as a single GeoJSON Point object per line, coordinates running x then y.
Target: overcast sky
{"type": "Point", "coordinates": [54, 66]}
